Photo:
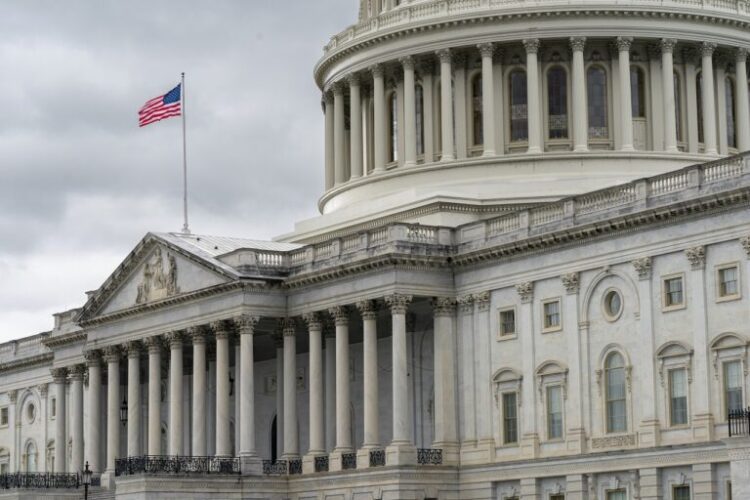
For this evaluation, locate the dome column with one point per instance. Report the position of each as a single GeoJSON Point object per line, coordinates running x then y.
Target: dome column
{"type": "Point", "coordinates": [532, 85]}
{"type": "Point", "coordinates": [338, 135]}
{"type": "Point", "coordinates": [488, 99]}
{"type": "Point", "coordinates": [328, 108]}
{"type": "Point", "coordinates": [446, 104]}
{"type": "Point", "coordinates": [410, 112]}
{"type": "Point", "coordinates": [667, 78]}
{"type": "Point", "coordinates": [743, 107]}
{"type": "Point", "coordinates": [355, 123]}
{"type": "Point", "coordinates": [580, 118]}
{"type": "Point", "coordinates": [707, 98]}
{"type": "Point", "coordinates": [626, 106]}
{"type": "Point", "coordinates": [378, 91]}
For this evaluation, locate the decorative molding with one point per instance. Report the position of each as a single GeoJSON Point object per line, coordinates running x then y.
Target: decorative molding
{"type": "Point", "coordinates": [56, 341]}
{"type": "Point", "coordinates": [745, 242]}
{"type": "Point", "coordinates": [313, 321]}
{"type": "Point", "coordinates": [643, 267]}
{"type": "Point", "coordinates": [740, 54]}
{"type": "Point", "coordinates": [246, 323]}
{"type": "Point", "coordinates": [133, 349]}
{"type": "Point", "coordinates": [577, 43]}
{"type": "Point", "coordinates": [377, 70]}
{"type": "Point", "coordinates": [525, 291]}
{"type": "Point", "coordinates": [571, 283]}
{"type": "Point", "coordinates": [444, 55]}
{"type": "Point", "coordinates": [59, 375]}
{"type": "Point", "coordinates": [368, 309]}
{"type": "Point", "coordinates": [407, 62]}
{"type": "Point", "coordinates": [340, 315]}
{"type": "Point", "coordinates": [466, 304]}
{"type": "Point", "coordinates": [531, 45]}
{"type": "Point", "coordinates": [353, 79]}
{"type": "Point", "coordinates": [112, 354]}
{"type": "Point", "coordinates": [93, 357]}
{"type": "Point", "coordinates": [482, 300]}
{"type": "Point", "coordinates": [43, 389]}
{"type": "Point", "coordinates": [443, 306]}
{"type": "Point", "coordinates": [707, 49]}
{"type": "Point", "coordinates": [77, 372]}
{"type": "Point", "coordinates": [174, 339]}
{"type": "Point", "coordinates": [154, 344]}
{"type": "Point", "coordinates": [624, 43]}
{"type": "Point", "coordinates": [13, 396]}
{"type": "Point", "coordinates": [486, 49]}
{"type": "Point", "coordinates": [221, 329]}
{"type": "Point", "coordinates": [667, 45]}
{"type": "Point", "coordinates": [398, 303]}
{"type": "Point", "coordinates": [697, 257]}
{"type": "Point", "coordinates": [288, 327]}
{"type": "Point", "coordinates": [156, 284]}
{"type": "Point", "coordinates": [622, 441]}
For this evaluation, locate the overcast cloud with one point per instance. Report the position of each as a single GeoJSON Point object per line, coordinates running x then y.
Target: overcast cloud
{"type": "Point", "coordinates": [81, 184]}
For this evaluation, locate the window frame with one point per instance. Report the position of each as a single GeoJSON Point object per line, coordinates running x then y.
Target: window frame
{"type": "Point", "coordinates": [553, 328]}
{"type": "Point", "coordinates": [501, 335]}
{"type": "Point", "coordinates": [598, 142]}
{"type": "Point", "coordinates": [52, 408]}
{"type": "Point", "coordinates": [665, 307]}
{"type": "Point", "coordinates": [475, 148]}
{"type": "Point", "coordinates": [605, 306]}
{"type": "Point", "coordinates": [5, 409]}
{"type": "Point", "coordinates": [717, 274]}
{"type": "Point", "coordinates": [724, 385]}
{"type": "Point", "coordinates": [548, 375]}
{"type": "Point", "coordinates": [726, 348]}
{"type": "Point", "coordinates": [507, 381]}
{"type": "Point", "coordinates": [548, 413]}
{"type": "Point", "coordinates": [605, 392]}
{"type": "Point", "coordinates": [557, 143]}
{"type": "Point", "coordinates": [503, 420]}
{"type": "Point", "coordinates": [514, 145]}
{"type": "Point", "coordinates": [670, 397]}
{"type": "Point", "coordinates": [674, 356]}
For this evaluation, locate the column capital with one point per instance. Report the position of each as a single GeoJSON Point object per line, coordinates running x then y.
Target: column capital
{"type": "Point", "coordinates": [624, 43]}
{"type": "Point", "coordinates": [740, 54]}
{"type": "Point", "coordinates": [643, 267]}
{"type": "Point", "coordinates": [707, 49]}
{"type": "Point", "coordinates": [133, 348]}
{"type": "Point", "coordinates": [313, 321]}
{"type": "Point", "coordinates": [174, 339]}
{"type": "Point", "coordinates": [353, 79]}
{"type": "Point", "coordinates": [13, 396]}
{"type": "Point", "coordinates": [340, 315]}
{"type": "Point", "coordinates": [466, 303]}
{"type": "Point", "coordinates": [690, 55]}
{"type": "Point", "coordinates": [153, 344]}
{"type": "Point", "coordinates": [571, 282]}
{"type": "Point", "coordinates": [377, 70]}
{"type": "Point", "coordinates": [696, 256]}
{"type": "Point", "coordinates": [327, 98]}
{"type": "Point", "coordinates": [482, 300]}
{"type": "Point", "coordinates": [59, 375]}
{"type": "Point", "coordinates": [745, 242]}
{"type": "Point", "coordinates": [246, 323]}
{"type": "Point", "coordinates": [221, 329]}
{"type": "Point", "coordinates": [368, 309]}
{"type": "Point", "coordinates": [426, 66]}
{"type": "Point", "coordinates": [338, 88]}
{"type": "Point", "coordinates": [486, 49]}
{"type": "Point", "coordinates": [444, 55]}
{"type": "Point", "coordinates": [407, 62]}
{"type": "Point", "coordinates": [443, 306]}
{"type": "Point", "coordinates": [77, 371]}
{"type": "Point", "coordinates": [531, 45]}
{"type": "Point", "coordinates": [43, 389]}
{"type": "Point", "coordinates": [668, 45]}
{"type": "Point", "coordinates": [398, 303]}
{"type": "Point", "coordinates": [196, 334]}
{"type": "Point", "coordinates": [278, 340]}
{"type": "Point", "coordinates": [525, 291]}
{"type": "Point", "coordinates": [93, 357]}
{"type": "Point", "coordinates": [577, 43]}
{"type": "Point", "coordinates": [112, 353]}
{"type": "Point", "coordinates": [288, 327]}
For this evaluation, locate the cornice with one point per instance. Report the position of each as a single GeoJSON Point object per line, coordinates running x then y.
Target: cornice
{"type": "Point", "coordinates": [32, 361]}
{"type": "Point", "coordinates": [65, 339]}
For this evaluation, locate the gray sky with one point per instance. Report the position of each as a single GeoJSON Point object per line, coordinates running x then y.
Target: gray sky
{"type": "Point", "coordinates": [81, 184]}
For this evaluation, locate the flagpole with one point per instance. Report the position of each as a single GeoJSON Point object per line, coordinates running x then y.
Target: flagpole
{"type": "Point", "coordinates": [185, 227]}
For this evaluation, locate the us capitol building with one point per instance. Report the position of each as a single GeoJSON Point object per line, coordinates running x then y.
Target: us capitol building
{"type": "Point", "coordinates": [530, 279]}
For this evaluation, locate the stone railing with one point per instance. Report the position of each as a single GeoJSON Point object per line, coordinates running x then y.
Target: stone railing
{"type": "Point", "coordinates": [437, 10]}
{"type": "Point", "coordinates": [172, 464]}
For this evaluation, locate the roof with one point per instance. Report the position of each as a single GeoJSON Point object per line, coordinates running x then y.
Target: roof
{"type": "Point", "coordinates": [214, 246]}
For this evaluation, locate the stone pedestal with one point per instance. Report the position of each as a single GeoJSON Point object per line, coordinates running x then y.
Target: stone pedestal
{"type": "Point", "coordinates": [703, 427]}
{"type": "Point", "coordinates": [650, 482]}
{"type": "Point", "coordinates": [308, 462]}
{"type": "Point", "coordinates": [704, 482]}
{"type": "Point", "coordinates": [739, 465]}
{"type": "Point", "coordinates": [530, 445]}
{"type": "Point", "coordinates": [251, 465]}
{"type": "Point", "coordinates": [576, 440]}
{"type": "Point", "coordinates": [575, 487]}
{"type": "Point", "coordinates": [649, 433]}
{"type": "Point", "coordinates": [401, 454]}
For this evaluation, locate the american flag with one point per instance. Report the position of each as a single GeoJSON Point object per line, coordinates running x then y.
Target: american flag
{"type": "Point", "coordinates": [159, 108]}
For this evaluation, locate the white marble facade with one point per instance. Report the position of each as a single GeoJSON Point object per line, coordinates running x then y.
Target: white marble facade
{"type": "Point", "coordinates": [556, 314]}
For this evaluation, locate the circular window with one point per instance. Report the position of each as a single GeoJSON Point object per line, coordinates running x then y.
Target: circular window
{"type": "Point", "coordinates": [30, 412]}
{"type": "Point", "coordinates": [612, 305]}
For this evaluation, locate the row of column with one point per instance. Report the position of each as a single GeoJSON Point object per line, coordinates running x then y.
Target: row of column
{"type": "Point", "coordinates": [334, 106]}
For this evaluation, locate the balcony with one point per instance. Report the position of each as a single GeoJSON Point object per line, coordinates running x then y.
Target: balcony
{"type": "Point", "coordinates": [168, 464]}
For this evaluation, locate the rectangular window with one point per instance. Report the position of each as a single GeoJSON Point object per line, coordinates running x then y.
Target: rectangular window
{"type": "Point", "coordinates": [552, 315]}
{"type": "Point", "coordinates": [4, 416]}
{"type": "Point", "coordinates": [673, 296]}
{"type": "Point", "coordinates": [728, 282]}
{"type": "Point", "coordinates": [507, 322]}
{"type": "Point", "coordinates": [678, 410]}
{"type": "Point", "coordinates": [732, 386]}
{"type": "Point", "coordinates": [53, 410]}
{"type": "Point", "coordinates": [616, 495]}
{"type": "Point", "coordinates": [681, 493]}
{"type": "Point", "coordinates": [510, 418]}
{"type": "Point", "coordinates": [554, 412]}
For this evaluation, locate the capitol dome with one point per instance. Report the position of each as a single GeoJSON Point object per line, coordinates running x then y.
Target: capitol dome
{"type": "Point", "coordinates": [450, 111]}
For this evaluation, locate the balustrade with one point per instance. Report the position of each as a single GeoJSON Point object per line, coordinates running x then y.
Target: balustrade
{"type": "Point", "coordinates": [21, 480]}
{"type": "Point", "coordinates": [172, 464]}
{"type": "Point", "coordinates": [321, 463]}
{"type": "Point", "coordinates": [739, 422]}
{"type": "Point", "coordinates": [377, 458]}
{"type": "Point", "coordinates": [429, 456]}
{"type": "Point", "coordinates": [348, 461]}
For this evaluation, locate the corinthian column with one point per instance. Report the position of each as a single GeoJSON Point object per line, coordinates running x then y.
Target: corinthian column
{"type": "Point", "coordinates": [175, 393]}
{"type": "Point", "coordinates": [532, 85]}
{"type": "Point", "coordinates": [355, 125]}
{"type": "Point", "coordinates": [446, 104]}
{"type": "Point", "coordinates": [401, 451]}
{"type": "Point", "coordinates": [198, 336]}
{"type": "Point", "coordinates": [410, 112]}
{"type": "Point", "coordinates": [223, 441]}
{"type": "Point", "coordinates": [708, 99]}
{"type": "Point", "coordinates": [338, 134]}
{"type": "Point", "coordinates": [153, 344]}
{"type": "Point", "coordinates": [76, 417]}
{"type": "Point", "coordinates": [626, 106]}
{"type": "Point", "coordinates": [446, 435]}
{"type": "Point", "coordinates": [59, 378]}
{"type": "Point", "coordinates": [291, 439]}
{"type": "Point", "coordinates": [94, 428]}
{"type": "Point", "coordinates": [580, 112]}
{"type": "Point", "coordinates": [134, 398]}
{"type": "Point", "coordinates": [246, 326]}
{"type": "Point", "coordinates": [487, 50]}
{"type": "Point", "coordinates": [743, 107]}
{"type": "Point", "coordinates": [667, 78]}
{"type": "Point", "coordinates": [329, 144]}
{"type": "Point", "coordinates": [112, 358]}
{"type": "Point", "coordinates": [343, 415]}
{"type": "Point", "coordinates": [378, 85]}
{"type": "Point", "coordinates": [317, 430]}
{"type": "Point", "coordinates": [369, 314]}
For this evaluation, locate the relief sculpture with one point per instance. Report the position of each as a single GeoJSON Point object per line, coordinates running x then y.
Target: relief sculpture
{"type": "Point", "coordinates": [158, 283]}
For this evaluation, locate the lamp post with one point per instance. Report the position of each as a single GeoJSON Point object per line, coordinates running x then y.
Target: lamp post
{"type": "Point", "coordinates": [87, 473]}
{"type": "Point", "coordinates": [124, 411]}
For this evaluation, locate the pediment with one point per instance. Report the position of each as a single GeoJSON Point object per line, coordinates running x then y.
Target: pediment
{"type": "Point", "coordinates": [154, 272]}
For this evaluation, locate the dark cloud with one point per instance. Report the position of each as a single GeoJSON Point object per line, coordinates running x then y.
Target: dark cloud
{"type": "Point", "coordinates": [80, 183]}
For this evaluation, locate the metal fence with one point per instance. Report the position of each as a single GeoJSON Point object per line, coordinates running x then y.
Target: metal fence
{"type": "Point", "coordinates": [429, 456]}
{"type": "Point", "coordinates": [39, 481]}
{"type": "Point", "coordinates": [739, 422]}
{"type": "Point", "coordinates": [171, 464]}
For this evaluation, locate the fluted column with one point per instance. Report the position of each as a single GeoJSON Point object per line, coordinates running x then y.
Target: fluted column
{"type": "Point", "coordinates": [175, 393]}
{"type": "Point", "coordinates": [708, 98]}
{"type": "Point", "coordinates": [370, 368]}
{"type": "Point", "coordinates": [446, 104]}
{"type": "Point", "coordinates": [330, 387]}
{"type": "Point", "coordinates": [153, 344]}
{"type": "Point", "coordinates": [291, 439]}
{"type": "Point", "coordinates": [667, 78]}
{"type": "Point", "coordinates": [355, 125]}
{"type": "Point", "coordinates": [197, 335]}
{"type": "Point", "coordinates": [112, 358]}
{"type": "Point", "coordinates": [533, 101]}
{"type": "Point", "coordinates": [338, 135]}
{"type": "Point", "coordinates": [743, 107]}
{"type": "Point", "coordinates": [401, 451]}
{"type": "Point", "coordinates": [410, 112]}
{"type": "Point", "coordinates": [59, 378]}
{"type": "Point", "coordinates": [446, 433]}
{"type": "Point", "coordinates": [134, 398]}
{"type": "Point", "coordinates": [580, 111]}
{"type": "Point", "coordinates": [626, 105]}
{"type": "Point", "coordinates": [343, 398]}
{"type": "Point", "coordinates": [329, 144]}
{"type": "Point", "coordinates": [317, 430]}
{"type": "Point", "coordinates": [246, 326]}
{"type": "Point", "coordinates": [223, 439]}
{"type": "Point", "coordinates": [94, 427]}
{"type": "Point", "coordinates": [487, 50]}
{"type": "Point", "coordinates": [379, 125]}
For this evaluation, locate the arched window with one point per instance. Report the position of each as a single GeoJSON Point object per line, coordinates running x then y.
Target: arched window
{"type": "Point", "coordinates": [678, 106]}
{"type": "Point", "coordinates": [638, 92]}
{"type": "Point", "coordinates": [614, 367]}
{"type": "Point", "coordinates": [730, 107]}
{"type": "Point", "coordinates": [30, 458]}
{"type": "Point", "coordinates": [596, 83]}
{"type": "Point", "coordinates": [419, 94]}
{"type": "Point", "coordinates": [519, 112]}
{"type": "Point", "coordinates": [392, 128]}
{"type": "Point", "coordinates": [557, 103]}
{"type": "Point", "coordinates": [476, 111]}
{"type": "Point", "coordinates": [699, 102]}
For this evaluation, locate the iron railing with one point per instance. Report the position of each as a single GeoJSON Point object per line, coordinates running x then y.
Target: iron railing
{"type": "Point", "coordinates": [348, 461]}
{"type": "Point", "coordinates": [277, 467]}
{"type": "Point", "coordinates": [295, 466]}
{"type": "Point", "coordinates": [39, 481]}
{"type": "Point", "coordinates": [739, 422]}
{"type": "Point", "coordinates": [377, 458]}
{"type": "Point", "coordinates": [429, 456]}
{"type": "Point", "coordinates": [321, 463]}
{"type": "Point", "coordinates": [173, 464]}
